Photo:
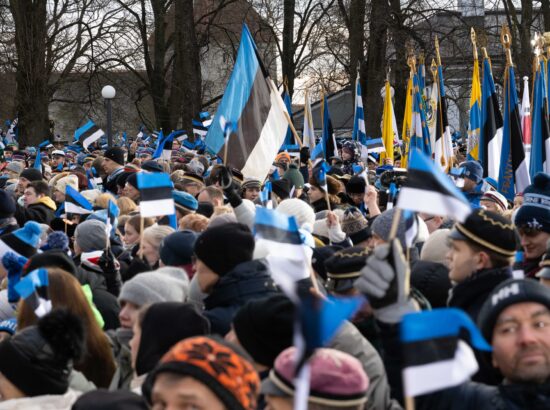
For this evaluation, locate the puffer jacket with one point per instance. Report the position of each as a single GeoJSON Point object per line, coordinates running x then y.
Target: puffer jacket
{"type": "Point", "coordinates": [247, 281]}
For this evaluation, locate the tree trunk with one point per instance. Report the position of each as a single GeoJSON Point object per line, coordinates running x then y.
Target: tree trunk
{"type": "Point", "coordinates": [356, 38]}
{"type": "Point", "coordinates": [158, 75]}
{"type": "Point", "coordinates": [400, 69]}
{"type": "Point", "coordinates": [376, 66]}
{"type": "Point", "coordinates": [288, 44]}
{"type": "Point", "coordinates": [185, 94]}
{"type": "Point", "coordinates": [545, 6]}
{"type": "Point", "coordinates": [32, 94]}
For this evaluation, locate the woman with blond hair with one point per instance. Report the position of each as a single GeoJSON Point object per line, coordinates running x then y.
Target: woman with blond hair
{"type": "Point", "coordinates": [97, 365]}
{"type": "Point", "coordinates": [126, 205]}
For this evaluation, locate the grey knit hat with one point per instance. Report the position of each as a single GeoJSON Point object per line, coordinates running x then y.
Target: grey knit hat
{"type": "Point", "coordinates": [153, 287]}
{"type": "Point", "coordinates": [15, 166]}
{"type": "Point", "coordinates": [382, 226]}
{"type": "Point", "coordinates": [90, 235]}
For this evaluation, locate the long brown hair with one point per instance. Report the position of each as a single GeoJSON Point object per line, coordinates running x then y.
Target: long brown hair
{"type": "Point", "coordinates": [98, 364]}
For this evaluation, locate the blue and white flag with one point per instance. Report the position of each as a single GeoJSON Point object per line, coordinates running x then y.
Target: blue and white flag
{"type": "Point", "coordinates": [540, 134]}
{"type": "Point", "coordinates": [434, 356]}
{"type": "Point", "coordinates": [33, 289]}
{"type": "Point", "coordinates": [359, 133]}
{"type": "Point", "coordinates": [290, 142]}
{"type": "Point", "coordinates": [411, 227]}
{"type": "Point", "coordinates": [45, 145]}
{"type": "Point", "coordinates": [113, 212]}
{"type": "Point", "coordinates": [427, 189]}
{"type": "Point", "coordinates": [75, 203]}
{"type": "Point", "coordinates": [199, 129]}
{"type": "Point", "coordinates": [252, 102]}
{"type": "Point", "coordinates": [514, 174]}
{"type": "Point", "coordinates": [88, 134]}
{"type": "Point", "coordinates": [265, 196]}
{"type": "Point", "coordinates": [155, 194]}
{"type": "Point", "coordinates": [317, 153]}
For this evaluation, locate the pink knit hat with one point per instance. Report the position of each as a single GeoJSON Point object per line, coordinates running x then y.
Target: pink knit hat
{"type": "Point", "coordinates": [337, 378]}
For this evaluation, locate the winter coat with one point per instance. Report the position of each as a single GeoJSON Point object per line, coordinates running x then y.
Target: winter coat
{"type": "Point", "coordinates": [105, 302]}
{"type": "Point", "coordinates": [46, 402]}
{"type": "Point", "coordinates": [432, 280]}
{"type": "Point", "coordinates": [247, 281]}
{"type": "Point", "coordinates": [124, 373]}
{"type": "Point", "coordinates": [321, 205]}
{"type": "Point", "coordinates": [42, 212]}
{"type": "Point", "coordinates": [469, 296]}
{"type": "Point", "coordinates": [109, 183]}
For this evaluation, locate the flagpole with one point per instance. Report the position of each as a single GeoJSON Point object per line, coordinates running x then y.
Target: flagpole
{"type": "Point", "coordinates": [287, 116]}
{"type": "Point", "coordinates": [141, 228]}
{"type": "Point", "coordinates": [442, 160]}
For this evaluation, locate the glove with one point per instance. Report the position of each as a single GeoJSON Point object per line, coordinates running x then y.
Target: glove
{"type": "Point", "coordinates": [304, 155]}
{"type": "Point", "coordinates": [108, 263]}
{"type": "Point", "coordinates": [230, 187]}
{"type": "Point", "coordinates": [384, 280]}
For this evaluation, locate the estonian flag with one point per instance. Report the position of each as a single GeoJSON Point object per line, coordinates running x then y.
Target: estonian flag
{"type": "Point", "coordinates": [251, 102]}
{"type": "Point", "coordinates": [289, 143]}
{"type": "Point", "coordinates": [45, 145]}
{"type": "Point", "coordinates": [156, 194]}
{"type": "Point", "coordinates": [514, 174]}
{"type": "Point", "coordinates": [288, 257]}
{"type": "Point", "coordinates": [265, 196]}
{"type": "Point", "coordinates": [164, 146]}
{"type": "Point", "coordinates": [411, 227]}
{"type": "Point", "coordinates": [443, 148]}
{"type": "Point", "coordinates": [199, 129]}
{"type": "Point", "coordinates": [540, 143]}
{"type": "Point", "coordinates": [75, 203]}
{"type": "Point", "coordinates": [491, 125]}
{"type": "Point", "coordinates": [113, 212]}
{"type": "Point", "coordinates": [429, 190]}
{"type": "Point", "coordinates": [434, 356]}
{"type": "Point", "coordinates": [33, 288]}
{"type": "Point", "coordinates": [327, 137]}
{"type": "Point", "coordinates": [88, 134]}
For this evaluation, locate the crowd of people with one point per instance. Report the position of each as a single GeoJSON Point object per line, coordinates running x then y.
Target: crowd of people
{"type": "Point", "coordinates": [144, 315]}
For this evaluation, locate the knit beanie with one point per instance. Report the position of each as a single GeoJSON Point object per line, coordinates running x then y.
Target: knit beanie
{"type": "Point", "coordinates": [355, 225]}
{"type": "Point", "coordinates": [115, 154]}
{"type": "Point", "coordinates": [70, 180]}
{"type": "Point", "coordinates": [320, 255]}
{"type": "Point", "coordinates": [163, 325]}
{"type": "Point", "coordinates": [132, 180]}
{"type": "Point", "coordinates": [90, 235]}
{"type": "Point", "coordinates": [294, 176]}
{"type": "Point", "coordinates": [54, 258]}
{"type": "Point", "coordinates": [223, 247]}
{"type": "Point", "coordinates": [281, 188]}
{"type": "Point", "coordinates": [176, 249]}
{"type": "Point", "coordinates": [114, 400]}
{"type": "Point", "coordinates": [337, 379]}
{"type": "Point", "coordinates": [153, 287]}
{"type": "Point", "coordinates": [8, 326]}
{"type": "Point", "coordinates": [305, 217]}
{"type": "Point", "coordinates": [508, 293]}
{"type": "Point", "coordinates": [213, 363]}
{"type": "Point", "coordinates": [535, 211]}
{"type": "Point", "coordinates": [38, 359]}
{"type": "Point", "coordinates": [473, 171]}
{"type": "Point", "coordinates": [435, 249]}
{"type": "Point", "coordinates": [16, 167]}
{"type": "Point", "coordinates": [7, 205]}
{"type": "Point", "coordinates": [264, 327]}
{"type": "Point", "coordinates": [23, 241]}
{"type": "Point", "coordinates": [382, 226]}
{"type": "Point", "coordinates": [185, 201]}
{"type": "Point", "coordinates": [356, 185]}
{"type": "Point", "coordinates": [32, 174]}
{"type": "Point", "coordinates": [56, 240]}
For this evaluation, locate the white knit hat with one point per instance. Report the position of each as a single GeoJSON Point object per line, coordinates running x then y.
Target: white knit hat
{"type": "Point", "coordinates": [305, 217]}
{"type": "Point", "coordinates": [70, 180]}
{"type": "Point", "coordinates": [436, 247]}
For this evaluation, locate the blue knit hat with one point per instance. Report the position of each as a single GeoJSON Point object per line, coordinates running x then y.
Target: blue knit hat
{"type": "Point", "coordinates": [185, 201]}
{"type": "Point", "coordinates": [23, 241]}
{"type": "Point", "coordinates": [8, 326]}
{"type": "Point", "coordinates": [177, 249]}
{"type": "Point", "coordinates": [535, 211]}
{"type": "Point", "coordinates": [473, 171]}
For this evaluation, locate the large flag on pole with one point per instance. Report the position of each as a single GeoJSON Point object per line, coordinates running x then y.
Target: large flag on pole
{"type": "Point", "coordinates": [474, 124]}
{"type": "Point", "coordinates": [387, 124]}
{"type": "Point", "coordinates": [514, 175]}
{"type": "Point", "coordinates": [327, 137]}
{"type": "Point", "coordinates": [359, 133]}
{"type": "Point", "coordinates": [308, 133]}
{"type": "Point", "coordinates": [443, 149]}
{"type": "Point", "coordinates": [407, 122]}
{"type": "Point", "coordinates": [491, 125]}
{"type": "Point", "coordinates": [526, 109]}
{"type": "Point", "coordinates": [540, 144]}
{"type": "Point", "coordinates": [420, 137]}
{"type": "Point", "coordinates": [289, 139]}
{"type": "Point", "coordinates": [429, 190]}
{"type": "Point", "coordinates": [252, 102]}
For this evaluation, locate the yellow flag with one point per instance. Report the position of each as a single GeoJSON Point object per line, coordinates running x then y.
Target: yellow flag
{"type": "Point", "coordinates": [407, 123]}
{"type": "Point", "coordinates": [474, 125]}
{"type": "Point", "coordinates": [387, 126]}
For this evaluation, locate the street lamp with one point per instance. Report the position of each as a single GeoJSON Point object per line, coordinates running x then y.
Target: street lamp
{"type": "Point", "coordinates": [108, 93]}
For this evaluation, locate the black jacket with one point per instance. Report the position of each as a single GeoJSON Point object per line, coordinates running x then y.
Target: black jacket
{"type": "Point", "coordinates": [41, 212]}
{"type": "Point", "coordinates": [247, 281]}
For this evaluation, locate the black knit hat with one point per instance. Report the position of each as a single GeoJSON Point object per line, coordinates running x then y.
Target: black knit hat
{"type": "Point", "coordinates": [38, 359]}
{"type": "Point", "coordinates": [264, 327]}
{"type": "Point", "coordinates": [176, 249]}
{"type": "Point", "coordinates": [488, 230]}
{"type": "Point", "coordinates": [535, 211]}
{"type": "Point", "coordinates": [132, 180]}
{"type": "Point", "coordinates": [152, 166]}
{"type": "Point", "coordinates": [510, 292]}
{"type": "Point", "coordinates": [223, 247]}
{"type": "Point", "coordinates": [320, 255]}
{"type": "Point", "coordinates": [163, 325]}
{"type": "Point", "coordinates": [356, 185]}
{"type": "Point", "coordinates": [54, 258]}
{"type": "Point", "coordinates": [281, 188]}
{"type": "Point", "coordinates": [113, 400]}
{"type": "Point", "coordinates": [343, 268]}
{"type": "Point", "coordinates": [32, 174]}
{"type": "Point", "coordinates": [115, 154]}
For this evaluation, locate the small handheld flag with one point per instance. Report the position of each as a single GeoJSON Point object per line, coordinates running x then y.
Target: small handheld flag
{"type": "Point", "coordinates": [156, 194]}
{"type": "Point", "coordinates": [75, 203]}
{"type": "Point", "coordinates": [434, 356]}
{"type": "Point", "coordinates": [113, 212]}
{"type": "Point", "coordinates": [88, 134]}
{"type": "Point", "coordinates": [33, 288]}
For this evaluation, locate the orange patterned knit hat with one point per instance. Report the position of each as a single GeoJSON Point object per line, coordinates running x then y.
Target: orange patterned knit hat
{"type": "Point", "coordinates": [231, 377]}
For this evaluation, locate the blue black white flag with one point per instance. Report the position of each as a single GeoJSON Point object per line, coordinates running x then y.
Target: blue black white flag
{"type": "Point", "coordinates": [434, 356]}
{"type": "Point", "coordinates": [33, 288]}
{"type": "Point", "coordinates": [164, 146]}
{"type": "Point", "coordinates": [75, 203]}
{"type": "Point", "coordinates": [113, 212]}
{"type": "Point", "coordinates": [88, 134]}
{"type": "Point", "coordinates": [428, 189]}
{"type": "Point", "coordinates": [252, 102]}
{"type": "Point", "coordinates": [156, 194]}
{"type": "Point", "coordinates": [540, 135]}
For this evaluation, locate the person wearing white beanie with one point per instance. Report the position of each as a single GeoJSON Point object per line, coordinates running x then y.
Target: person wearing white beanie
{"type": "Point", "coordinates": [305, 217]}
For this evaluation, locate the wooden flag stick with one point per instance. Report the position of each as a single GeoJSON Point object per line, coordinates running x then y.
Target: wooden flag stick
{"type": "Point", "coordinates": [141, 229]}
{"type": "Point", "coordinates": [395, 224]}
{"type": "Point", "coordinates": [287, 116]}
{"type": "Point", "coordinates": [409, 403]}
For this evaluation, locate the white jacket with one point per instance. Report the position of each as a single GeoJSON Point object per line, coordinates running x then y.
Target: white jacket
{"type": "Point", "coordinates": [47, 402]}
